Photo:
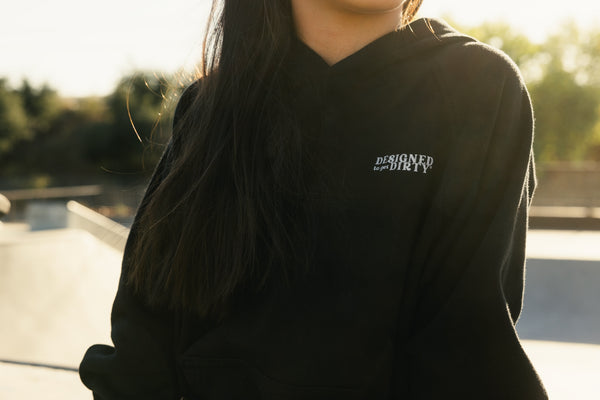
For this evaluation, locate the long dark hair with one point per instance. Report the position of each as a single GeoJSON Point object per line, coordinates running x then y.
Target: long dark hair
{"type": "Point", "coordinates": [232, 211]}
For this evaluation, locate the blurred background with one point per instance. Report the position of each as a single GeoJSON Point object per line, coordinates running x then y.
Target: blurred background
{"type": "Point", "coordinates": [75, 77]}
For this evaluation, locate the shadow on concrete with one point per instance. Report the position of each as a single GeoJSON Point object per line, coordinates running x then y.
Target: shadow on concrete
{"type": "Point", "coordinates": [562, 301]}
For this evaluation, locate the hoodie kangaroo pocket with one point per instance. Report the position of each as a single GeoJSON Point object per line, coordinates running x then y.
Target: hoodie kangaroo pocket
{"type": "Point", "coordinates": [236, 379]}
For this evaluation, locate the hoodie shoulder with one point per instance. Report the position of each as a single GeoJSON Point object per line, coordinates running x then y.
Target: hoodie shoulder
{"type": "Point", "coordinates": [185, 100]}
{"type": "Point", "coordinates": [485, 93]}
{"type": "Point", "coordinates": [471, 62]}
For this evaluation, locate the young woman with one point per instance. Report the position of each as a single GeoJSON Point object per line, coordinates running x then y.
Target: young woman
{"type": "Point", "coordinates": [340, 214]}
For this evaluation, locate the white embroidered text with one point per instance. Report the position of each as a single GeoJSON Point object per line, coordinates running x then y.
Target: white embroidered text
{"type": "Point", "coordinates": [404, 162]}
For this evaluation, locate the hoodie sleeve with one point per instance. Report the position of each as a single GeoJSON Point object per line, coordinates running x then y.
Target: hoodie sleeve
{"type": "Point", "coordinates": [141, 362]}
{"type": "Point", "coordinates": [139, 366]}
{"type": "Point", "coordinates": [469, 292]}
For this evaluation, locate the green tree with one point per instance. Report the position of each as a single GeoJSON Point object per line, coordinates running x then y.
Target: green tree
{"type": "Point", "coordinates": [566, 115]}
{"type": "Point", "coordinates": [71, 139]}
{"type": "Point", "coordinates": [567, 98]}
{"type": "Point", "coordinates": [68, 138]}
{"type": "Point", "coordinates": [137, 125]}
{"type": "Point", "coordinates": [13, 119]}
{"type": "Point", "coordinates": [42, 106]}
{"type": "Point", "coordinates": [590, 57]}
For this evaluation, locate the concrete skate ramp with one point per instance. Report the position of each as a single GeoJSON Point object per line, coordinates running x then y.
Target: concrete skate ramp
{"type": "Point", "coordinates": [562, 301]}
{"type": "Point", "coordinates": [56, 290]}
{"type": "Point", "coordinates": [562, 291]}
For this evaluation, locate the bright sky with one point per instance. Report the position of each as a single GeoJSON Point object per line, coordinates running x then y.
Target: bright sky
{"type": "Point", "coordinates": [83, 48]}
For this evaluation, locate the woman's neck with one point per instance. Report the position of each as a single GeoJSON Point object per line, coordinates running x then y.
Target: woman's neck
{"type": "Point", "coordinates": [335, 32]}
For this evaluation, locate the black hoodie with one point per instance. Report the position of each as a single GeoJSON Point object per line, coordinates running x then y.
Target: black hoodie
{"type": "Point", "coordinates": [428, 136]}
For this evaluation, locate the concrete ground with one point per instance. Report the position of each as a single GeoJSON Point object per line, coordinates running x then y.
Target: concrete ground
{"type": "Point", "coordinates": [560, 323]}
{"type": "Point", "coordinates": [56, 293]}
{"type": "Point", "coordinates": [20, 382]}
{"type": "Point", "coordinates": [570, 371]}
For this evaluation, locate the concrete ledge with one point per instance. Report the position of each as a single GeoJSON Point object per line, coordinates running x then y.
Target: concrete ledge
{"type": "Point", "coordinates": [563, 245]}
{"type": "Point", "coordinates": [565, 218]}
{"type": "Point", "coordinates": [53, 193]}
{"type": "Point", "coordinates": [565, 212]}
{"type": "Point", "coordinates": [103, 228]}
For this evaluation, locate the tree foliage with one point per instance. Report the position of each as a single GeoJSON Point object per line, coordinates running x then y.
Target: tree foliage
{"type": "Point", "coordinates": [75, 140]}
{"type": "Point", "coordinates": [42, 106]}
{"type": "Point", "coordinates": [136, 123]}
{"type": "Point", "coordinates": [13, 119]}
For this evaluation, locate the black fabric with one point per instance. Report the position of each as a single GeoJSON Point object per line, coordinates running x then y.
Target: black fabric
{"type": "Point", "coordinates": [426, 135]}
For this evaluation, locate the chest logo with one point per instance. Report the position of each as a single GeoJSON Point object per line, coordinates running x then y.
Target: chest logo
{"type": "Point", "coordinates": [404, 163]}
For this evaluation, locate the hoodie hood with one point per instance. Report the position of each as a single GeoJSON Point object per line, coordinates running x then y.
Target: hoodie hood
{"type": "Point", "coordinates": [420, 36]}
